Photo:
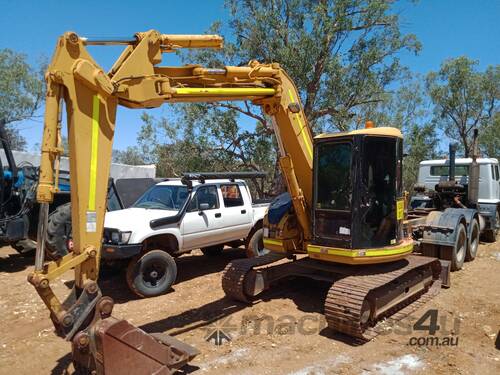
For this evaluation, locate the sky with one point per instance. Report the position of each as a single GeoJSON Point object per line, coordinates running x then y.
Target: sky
{"type": "Point", "coordinates": [446, 29]}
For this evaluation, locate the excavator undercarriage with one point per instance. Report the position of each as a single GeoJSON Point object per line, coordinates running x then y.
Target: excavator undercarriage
{"type": "Point", "coordinates": [359, 297]}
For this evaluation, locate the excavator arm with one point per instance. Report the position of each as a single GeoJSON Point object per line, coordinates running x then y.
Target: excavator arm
{"type": "Point", "coordinates": [91, 97]}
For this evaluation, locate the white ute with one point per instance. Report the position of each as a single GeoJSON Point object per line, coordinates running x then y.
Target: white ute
{"type": "Point", "coordinates": [175, 217]}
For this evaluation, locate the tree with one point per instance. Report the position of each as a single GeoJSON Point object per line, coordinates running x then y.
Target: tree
{"type": "Point", "coordinates": [342, 54]}
{"type": "Point", "coordinates": [489, 139]}
{"type": "Point", "coordinates": [131, 155]}
{"type": "Point", "coordinates": [464, 99]}
{"type": "Point", "coordinates": [408, 109]}
{"type": "Point", "coordinates": [193, 143]}
{"type": "Point", "coordinates": [21, 93]}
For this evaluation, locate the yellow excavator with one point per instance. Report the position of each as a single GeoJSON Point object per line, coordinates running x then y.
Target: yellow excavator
{"type": "Point", "coordinates": [342, 219]}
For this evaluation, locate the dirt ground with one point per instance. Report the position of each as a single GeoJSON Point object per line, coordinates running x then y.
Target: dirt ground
{"type": "Point", "coordinates": [281, 333]}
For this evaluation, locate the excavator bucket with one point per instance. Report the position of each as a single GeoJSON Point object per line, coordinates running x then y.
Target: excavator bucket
{"type": "Point", "coordinates": [113, 346]}
{"type": "Point", "coordinates": [105, 345]}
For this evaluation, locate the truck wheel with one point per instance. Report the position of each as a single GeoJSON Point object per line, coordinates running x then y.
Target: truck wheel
{"type": "Point", "coordinates": [255, 245]}
{"type": "Point", "coordinates": [491, 235]}
{"type": "Point", "coordinates": [59, 232]}
{"type": "Point", "coordinates": [473, 241]}
{"type": "Point", "coordinates": [152, 274]}
{"type": "Point", "coordinates": [212, 251]}
{"type": "Point", "coordinates": [460, 248]}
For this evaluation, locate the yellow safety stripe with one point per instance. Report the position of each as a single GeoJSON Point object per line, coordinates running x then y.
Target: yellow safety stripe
{"type": "Point", "coordinates": [269, 241]}
{"type": "Point", "coordinates": [359, 252]}
{"type": "Point", "coordinates": [400, 208]}
{"type": "Point", "coordinates": [301, 126]}
{"type": "Point", "coordinates": [236, 91]}
{"type": "Point", "coordinates": [93, 153]}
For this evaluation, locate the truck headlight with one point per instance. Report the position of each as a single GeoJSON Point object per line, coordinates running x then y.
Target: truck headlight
{"type": "Point", "coordinates": [125, 236]}
{"type": "Point", "coordinates": [119, 237]}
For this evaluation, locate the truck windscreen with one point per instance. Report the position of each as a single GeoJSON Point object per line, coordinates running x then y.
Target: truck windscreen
{"type": "Point", "coordinates": [163, 197]}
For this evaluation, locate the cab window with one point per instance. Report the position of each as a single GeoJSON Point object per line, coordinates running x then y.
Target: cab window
{"type": "Point", "coordinates": [334, 177]}
{"type": "Point", "coordinates": [443, 170]}
{"type": "Point", "coordinates": [205, 194]}
{"type": "Point", "coordinates": [231, 195]}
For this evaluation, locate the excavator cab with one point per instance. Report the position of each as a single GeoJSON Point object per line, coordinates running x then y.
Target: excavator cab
{"type": "Point", "coordinates": [357, 209]}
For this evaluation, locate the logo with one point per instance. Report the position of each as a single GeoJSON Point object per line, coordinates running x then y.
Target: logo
{"type": "Point", "coordinates": [431, 329]}
{"type": "Point", "coordinates": [219, 332]}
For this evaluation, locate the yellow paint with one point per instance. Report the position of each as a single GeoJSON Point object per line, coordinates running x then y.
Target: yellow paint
{"type": "Point", "coordinates": [93, 152]}
{"type": "Point", "coordinates": [384, 131]}
{"type": "Point", "coordinates": [268, 241]}
{"type": "Point", "coordinates": [302, 130]}
{"type": "Point", "coordinates": [406, 247]}
{"type": "Point", "coordinates": [237, 91]}
{"type": "Point", "coordinates": [400, 209]}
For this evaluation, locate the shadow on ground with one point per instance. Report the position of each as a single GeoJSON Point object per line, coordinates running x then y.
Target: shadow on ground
{"type": "Point", "coordinates": [308, 295]}
{"type": "Point", "coordinates": [112, 279]}
{"type": "Point", "coordinates": [16, 262]}
{"type": "Point", "coordinates": [64, 367]}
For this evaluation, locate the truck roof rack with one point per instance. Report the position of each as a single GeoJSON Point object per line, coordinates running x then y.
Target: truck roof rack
{"type": "Point", "coordinates": [203, 176]}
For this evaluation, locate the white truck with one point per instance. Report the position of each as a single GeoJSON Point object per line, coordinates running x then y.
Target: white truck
{"type": "Point", "coordinates": [432, 172]}
{"type": "Point", "coordinates": [455, 201]}
{"type": "Point", "coordinates": [200, 211]}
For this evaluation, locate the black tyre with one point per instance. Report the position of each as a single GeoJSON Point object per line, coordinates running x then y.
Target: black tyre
{"type": "Point", "coordinates": [152, 274]}
{"type": "Point", "coordinates": [58, 241]}
{"type": "Point", "coordinates": [255, 244]}
{"type": "Point", "coordinates": [460, 248]}
{"type": "Point", "coordinates": [212, 251]}
{"type": "Point", "coordinates": [491, 235]}
{"type": "Point", "coordinates": [473, 240]}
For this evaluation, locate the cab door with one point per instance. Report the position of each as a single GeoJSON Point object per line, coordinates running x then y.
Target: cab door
{"type": "Point", "coordinates": [237, 218]}
{"type": "Point", "coordinates": [201, 225]}
{"type": "Point", "coordinates": [496, 182]}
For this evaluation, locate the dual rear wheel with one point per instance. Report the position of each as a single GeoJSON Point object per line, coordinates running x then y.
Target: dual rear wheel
{"type": "Point", "coordinates": [466, 244]}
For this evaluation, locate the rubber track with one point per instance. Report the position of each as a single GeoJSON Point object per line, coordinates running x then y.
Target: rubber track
{"type": "Point", "coordinates": [233, 276]}
{"type": "Point", "coordinates": [345, 298]}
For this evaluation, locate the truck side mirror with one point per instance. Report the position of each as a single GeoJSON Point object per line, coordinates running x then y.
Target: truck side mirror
{"type": "Point", "coordinates": [203, 207]}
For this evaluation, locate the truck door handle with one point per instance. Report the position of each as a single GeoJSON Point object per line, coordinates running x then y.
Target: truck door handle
{"type": "Point", "coordinates": [243, 211]}
{"type": "Point", "coordinates": [218, 214]}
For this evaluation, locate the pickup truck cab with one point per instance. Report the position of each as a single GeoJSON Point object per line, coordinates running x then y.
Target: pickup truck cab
{"type": "Point", "coordinates": [174, 217]}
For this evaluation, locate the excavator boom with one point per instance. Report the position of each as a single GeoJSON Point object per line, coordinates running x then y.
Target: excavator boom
{"type": "Point", "coordinates": [91, 97]}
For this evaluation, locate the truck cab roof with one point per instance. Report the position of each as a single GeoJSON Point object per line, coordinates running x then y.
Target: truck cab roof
{"type": "Point", "coordinates": [462, 161]}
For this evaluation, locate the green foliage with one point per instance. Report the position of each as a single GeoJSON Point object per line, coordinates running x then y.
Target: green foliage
{"type": "Point", "coordinates": [340, 53]}
{"type": "Point", "coordinates": [16, 140]}
{"type": "Point", "coordinates": [204, 138]}
{"type": "Point", "coordinates": [464, 99]}
{"type": "Point", "coordinates": [489, 139]}
{"type": "Point", "coordinates": [408, 109]}
{"type": "Point", "coordinates": [21, 92]}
